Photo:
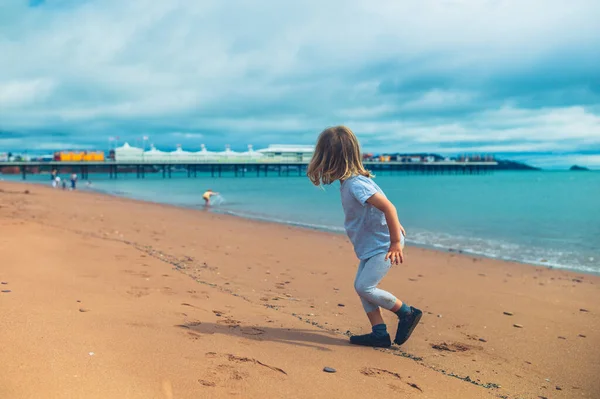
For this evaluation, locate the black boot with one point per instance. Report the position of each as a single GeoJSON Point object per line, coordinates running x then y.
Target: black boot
{"type": "Point", "coordinates": [406, 325]}
{"type": "Point", "coordinates": [371, 340]}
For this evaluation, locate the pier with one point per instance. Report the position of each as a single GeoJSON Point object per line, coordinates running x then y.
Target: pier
{"type": "Point", "coordinates": [238, 169]}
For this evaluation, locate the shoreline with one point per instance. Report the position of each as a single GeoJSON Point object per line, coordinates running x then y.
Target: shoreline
{"type": "Point", "coordinates": [167, 295]}
{"type": "Point", "coordinates": [340, 231]}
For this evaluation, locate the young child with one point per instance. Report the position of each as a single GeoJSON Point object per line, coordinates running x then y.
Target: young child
{"type": "Point", "coordinates": [372, 224]}
{"type": "Point", "coordinates": [206, 196]}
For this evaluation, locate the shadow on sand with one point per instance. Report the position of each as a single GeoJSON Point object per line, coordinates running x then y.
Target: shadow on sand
{"type": "Point", "coordinates": [320, 340]}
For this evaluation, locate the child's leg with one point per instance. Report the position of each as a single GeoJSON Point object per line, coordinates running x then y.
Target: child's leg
{"type": "Point", "coordinates": [367, 279]}
{"type": "Point", "coordinates": [379, 337]}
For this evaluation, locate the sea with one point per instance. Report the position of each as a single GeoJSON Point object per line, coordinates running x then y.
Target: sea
{"type": "Point", "coordinates": [546, 218]}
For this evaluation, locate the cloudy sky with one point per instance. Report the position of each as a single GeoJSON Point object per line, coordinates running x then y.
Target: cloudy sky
{"type": "Point", "coordinates": [515, 77]}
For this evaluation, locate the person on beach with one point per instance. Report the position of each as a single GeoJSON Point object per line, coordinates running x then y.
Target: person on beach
{"type": "Point", "coordinates": [371, 222]}
{"type": "Point", "coordinates": [206, 196]}
{"type": "Point", "coordinates": [73, 181]}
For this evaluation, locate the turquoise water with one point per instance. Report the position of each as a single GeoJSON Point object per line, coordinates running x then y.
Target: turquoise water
{"type": "Point", "coordinates": [544, 218]}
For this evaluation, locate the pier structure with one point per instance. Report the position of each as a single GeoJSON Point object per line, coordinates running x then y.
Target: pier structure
{"type": "Point", "coordinates": [238, 169]}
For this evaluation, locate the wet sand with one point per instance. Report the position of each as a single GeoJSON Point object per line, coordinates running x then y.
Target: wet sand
{"type": "Point", "coordinates": [115, 298]}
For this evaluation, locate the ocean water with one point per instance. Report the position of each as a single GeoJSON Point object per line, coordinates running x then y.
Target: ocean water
{"type": "Point", "coordinates": [541, 218]}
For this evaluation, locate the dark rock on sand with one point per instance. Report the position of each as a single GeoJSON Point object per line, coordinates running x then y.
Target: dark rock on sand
{"type": "Point", "coordinates": [517, 325]}
{"type": "Point", "coordinates": [509, 313]}
{"type": "Point", "coordinates": [329, 370]}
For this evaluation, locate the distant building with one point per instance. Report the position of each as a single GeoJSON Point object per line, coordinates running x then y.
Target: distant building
{"type": "Point", "coordinates": [288, 153]}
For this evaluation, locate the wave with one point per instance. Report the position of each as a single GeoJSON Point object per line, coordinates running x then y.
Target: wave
{"type": "Point", "coordinates": [493, 249]}
{"type": "Point", "coordinates": [488, 248]}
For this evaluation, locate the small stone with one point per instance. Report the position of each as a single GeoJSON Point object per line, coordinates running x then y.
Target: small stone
{"type": "Point", "coordinates": [547, 379]}
{"type": "Point", "coordinates": [83, 310]}
{"type": "Point", "coordinates": [509, 313]}
{"type": "Point", "coordinates": [6, 291]}
{"type": "Point", "coordinates": [341, 305]}
{"type": "Point", "coordinates": [4, 283]}
{"type": "Point", "coordinates": [558, 388]}
{"type": "Point", "coordinates": [78, 301]}
{"type": "Point", "coordinates": [439, 316]}
{"type": "Point", "coordinates": [517, 325]}
{"type": "Point", "coordinates": [329, 370]}
{"type": "Point", "coordinates": [581, 336]}
{"type": "Point", "coordinates": [561, 338]}
{"type": "Point", "coordinates": [482, 340]}
{"type": "Point", "coordinates": [581, 310]}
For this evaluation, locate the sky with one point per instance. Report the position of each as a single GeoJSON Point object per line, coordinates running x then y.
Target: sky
{"type": "Point", "coordinates": [519, 78]}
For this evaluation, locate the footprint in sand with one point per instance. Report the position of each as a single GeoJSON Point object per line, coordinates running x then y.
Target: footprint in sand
{"type": "Point", "coordinates": [138, 292]}
{"type": "Point", "coordinates": [453, 347]}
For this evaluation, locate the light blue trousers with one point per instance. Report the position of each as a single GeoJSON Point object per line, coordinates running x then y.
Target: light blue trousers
{"type": "Point", "coordinates": [370, 273]}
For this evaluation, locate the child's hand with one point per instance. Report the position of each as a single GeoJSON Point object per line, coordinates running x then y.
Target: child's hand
{"type": "Point", "coordinates": [395, 254]}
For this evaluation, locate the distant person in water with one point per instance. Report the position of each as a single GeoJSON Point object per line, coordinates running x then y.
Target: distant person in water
{"type": "Point", "coordinates": [372, 224]}
{"type": "Point", "coordinates": [206, 196]}
{"type": "Point", "coordinates": [73, 181]}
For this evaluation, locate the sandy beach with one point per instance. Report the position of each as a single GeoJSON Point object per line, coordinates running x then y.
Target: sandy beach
{"type": "Point", "coordinates": [105, 297]}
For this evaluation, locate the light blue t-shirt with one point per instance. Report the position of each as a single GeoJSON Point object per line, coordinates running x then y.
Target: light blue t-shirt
{"type": "Point", "coordinates": [365, 225]}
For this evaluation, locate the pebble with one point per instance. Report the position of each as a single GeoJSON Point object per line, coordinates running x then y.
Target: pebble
{"type": "Point", "coordinates": [581, 310]}
{"type": "Point", "coordinates": [581, 335]}
{"type": "Point", "coordinates": [341, 305]}
{"type": "Point", "coordinates": [329, 370]}
{"type": "Point", "coordinates": [558, 388]}
{"type": "Point", "coordinates": [509, 313]}
{"type": "Point", "coordinates": [83, 310]}
{"type": "Point", "coordinates": [561, 338]}
{"type": "Point", "coordinates": [517, 325]}
{"type": "Point", "coordinates": [6, 291]}
{"type": "Point", "coordinates": [4, 283]}
{"type": "Point", "coordinates": [440, 316]}
{"type": "Point", "coordinates": [482, 340]}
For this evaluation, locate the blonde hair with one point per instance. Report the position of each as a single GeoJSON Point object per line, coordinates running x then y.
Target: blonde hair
{"type": "Point", "coordinates": [336, 157]}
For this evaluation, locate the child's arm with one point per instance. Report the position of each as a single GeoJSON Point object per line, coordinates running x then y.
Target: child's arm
{"type": "Point", "coordinates": [396, 230]}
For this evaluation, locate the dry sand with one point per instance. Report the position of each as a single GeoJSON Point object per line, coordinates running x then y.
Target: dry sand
{"type": "Point", "coordinates": [114, 298]}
